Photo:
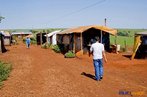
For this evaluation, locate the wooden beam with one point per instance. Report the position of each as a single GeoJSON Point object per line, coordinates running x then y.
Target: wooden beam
{"type": "Point", "coordinates": [101, 36]}
{"type": "Point", "coordinates": [74, 44]}
{"type": "Point", "coordinates": [81, 43]}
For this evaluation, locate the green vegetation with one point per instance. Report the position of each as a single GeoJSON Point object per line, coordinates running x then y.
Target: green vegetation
{"type": "Point", "coordinates": [129, 32]}
{"type": "Point", "coordinates": [33, 40]}
{"type": "Point", "coordinates": [56, 48]}
{"type": "Point", "coordinates": [4, 71]}
{"type": "Point", "coordinates": [69, 54]}
{"type": "Point", "coordinates": [46, 46]}
{"type": "Point", "coordinates": [125, 37]}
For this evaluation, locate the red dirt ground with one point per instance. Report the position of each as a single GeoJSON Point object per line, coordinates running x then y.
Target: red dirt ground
{"type": "Point", "coordinates": [41, 72]}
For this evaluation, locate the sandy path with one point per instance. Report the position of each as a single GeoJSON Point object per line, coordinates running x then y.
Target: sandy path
{"type": "Point", "coordinates": [42, 73]}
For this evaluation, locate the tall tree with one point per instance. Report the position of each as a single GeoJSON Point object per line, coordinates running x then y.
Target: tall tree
{"type": "Point", "coordinates": [1, 17]}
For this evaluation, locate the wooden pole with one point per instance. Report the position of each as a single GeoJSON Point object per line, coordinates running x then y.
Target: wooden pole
{"type": "Point", "coordinates": [125, 42]}
{"type": "Point", "coordinates": [41, 38]}
{"type": "Point", "coordinates": [46, 37]}
{"type": "Point", "coordinates": [105, 22]}
{"type": "Point", "coordinates": [101, 36]}
{"type": "Point", "coordinates": [81, 44]}
{"type": "Point", "coordinates": [74, 47]}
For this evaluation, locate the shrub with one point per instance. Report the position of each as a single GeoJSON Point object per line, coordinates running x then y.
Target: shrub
{"type": "Point", "coordinates": [56, 48]}
{"type": "Point", "coordinates": [4, 71]}
{"type": "Point", "coordinates": [69, 54]}
{"type": "Point", "coordinates": [33, 40]}
{"type": "Point", "coordinates": [45, 45]}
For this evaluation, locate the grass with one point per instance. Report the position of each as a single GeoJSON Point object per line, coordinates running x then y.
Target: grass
{"type": "Point", "coordinates": [5, 69]}
{"type": "Point", "coordinates": [122, 40]}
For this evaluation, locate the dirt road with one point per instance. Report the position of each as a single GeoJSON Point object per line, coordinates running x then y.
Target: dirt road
{"type": "Point", "coordinates": [41, 72]}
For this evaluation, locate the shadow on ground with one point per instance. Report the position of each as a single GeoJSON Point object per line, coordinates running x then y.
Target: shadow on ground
{"type": "Point", "coordinates": [88, 75]}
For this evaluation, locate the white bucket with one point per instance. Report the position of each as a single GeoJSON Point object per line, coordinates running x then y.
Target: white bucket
{"type": "Point", "coordinates": [118, 47]}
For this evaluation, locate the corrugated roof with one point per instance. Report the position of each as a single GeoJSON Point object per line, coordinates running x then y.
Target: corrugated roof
{"type": "Point", "coordinates": [15, 33]}
{"type": "Point", "coordinates": [52, 33]}
{"type": "Point", "coordinates": [81, 29]}
{"type": "Point", "coordinates": [141, 33]}
{"type": "Point", "coordinates": [5, 33]}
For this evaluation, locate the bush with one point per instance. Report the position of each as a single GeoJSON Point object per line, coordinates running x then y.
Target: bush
{"type": "Point", "coordinates": [55, 48]}
{"type": "Point", "coordinates": [4, 71]}
{"type": "Point", "coordinates": [69, 54]}
{"type": "Point", "coordinates": [45, 46]}
{"type": "Point", "coordinates": [33, 40]}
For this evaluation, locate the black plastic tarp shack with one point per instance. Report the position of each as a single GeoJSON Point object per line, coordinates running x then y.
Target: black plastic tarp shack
{"type": "Point", "coordinates": [2, 46]}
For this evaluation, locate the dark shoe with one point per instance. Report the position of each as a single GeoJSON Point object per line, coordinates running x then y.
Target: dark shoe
{"type": "Point", "coordinates": [101, 77]}
{"type": "Point", "coordinates": [97, 79]}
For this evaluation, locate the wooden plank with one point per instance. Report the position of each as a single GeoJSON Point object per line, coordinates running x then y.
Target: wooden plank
{"type": "Point", "coordinates": [134, 53]}
{"type": "Point", "coordinates": [81, 43]}
{"type": "Point", "coordinates": [74, 44]}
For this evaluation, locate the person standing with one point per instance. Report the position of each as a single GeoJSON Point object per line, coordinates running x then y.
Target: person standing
{"type": "Point", "coordinates": [98, 51]}
{"type": "Point", "coordinates": [28, 41]}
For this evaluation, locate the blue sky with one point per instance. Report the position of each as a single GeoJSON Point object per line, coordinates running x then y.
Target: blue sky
{"type": "Point", "coordinates": [70, 13]}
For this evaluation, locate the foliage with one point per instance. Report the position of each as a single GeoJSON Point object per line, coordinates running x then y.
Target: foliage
{"type": "Point", "coordinates": [1, 17]}
{"type": "Point", "coordinates": [125, 38]}
{"type": "Point", "coordinates": [56, 48]}
{"type": "Point", "coordinates": [45, 46]}
{"type": "Point", "coordinates": [123, 34]}
{"type": "Point", "coordinates": [4, 71]}
{"type": "Point", "coordinates": [33, 40]}
{"type": "Point", "coordinates": [129, 32]}
{"type": "Point", "coordinates": [69, 54]}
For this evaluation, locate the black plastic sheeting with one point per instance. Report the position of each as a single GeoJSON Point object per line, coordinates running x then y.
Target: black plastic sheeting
{"type": "Point", "coordinates": [142, 50]}
{"type": "Point", "coordinates": [2, 46]}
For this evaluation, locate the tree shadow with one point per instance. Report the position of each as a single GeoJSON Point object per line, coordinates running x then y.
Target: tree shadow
{"type": "Point", "coordinates": [88, 75]}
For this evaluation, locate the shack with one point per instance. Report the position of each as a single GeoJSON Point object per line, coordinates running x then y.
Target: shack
{"type": "Point", "coordinates": [2, 46]}
{"type": "Point", "coordinates": [7, 38]}
{"type": "Point", "coordinates": [52, 37]}
{"type": "Point", "coordinates": [140, 45]}
{"type": "Point", "coordinates": [40, 38]}
{"type": "Point", "coordinates": [20, 35]}
{"type": "Point", "coordinates": [79, 39]}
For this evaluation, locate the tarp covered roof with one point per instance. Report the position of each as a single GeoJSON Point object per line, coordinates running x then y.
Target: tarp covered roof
{"type": "Point", "coordinates": [141, 33]}
{"type": "Point", "coordinates": [5, 33]}
{"type": "Point", "coordinates": [52, 33]}
{"type": "Point", "coordinates": [81, 29]}
{"type": "Point", "coordinates": [16, 33]}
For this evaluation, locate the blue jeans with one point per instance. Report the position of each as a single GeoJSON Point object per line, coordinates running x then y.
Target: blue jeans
{"type": "Point", "coordinates": [28, 45]}
{"type": "Point", "coordinates": [98, 66]}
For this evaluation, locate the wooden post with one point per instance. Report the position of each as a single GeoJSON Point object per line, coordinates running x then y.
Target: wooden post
{"type": "Point", "coordinates": [125, 43]}
{"type": "Point", "coordinates": [0, 43]}
{"type": "Point", "coordinates": [41, 38]}
{"type": "Point", "coordinates": [46, 37]}
{"type": "Point", "coordinates": [105, 22]}
{"type": "Point", "coordinates": [81, 44]}
{"type": "Point", "coordinates": [115, 40]}
{"type": "Point", "coordinates": [74, 45]}
{"type": "Point", "coordinates": [101, 36]}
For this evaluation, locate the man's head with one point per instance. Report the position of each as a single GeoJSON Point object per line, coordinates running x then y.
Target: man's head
{"type": "Point", "coordinates": [97, 38]}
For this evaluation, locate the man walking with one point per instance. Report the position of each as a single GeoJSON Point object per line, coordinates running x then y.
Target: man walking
{"type": "Point", "coordinates": [98, 51]}
{"type": "Point", "coordinates": [28, 42]}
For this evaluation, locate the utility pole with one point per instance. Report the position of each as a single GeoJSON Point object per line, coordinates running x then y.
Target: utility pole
{"type": "Point", "coordinates": [105, 22]}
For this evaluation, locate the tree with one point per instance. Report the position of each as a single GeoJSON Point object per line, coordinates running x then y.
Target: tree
{"type": "Point", "coordinates": [1, 18]}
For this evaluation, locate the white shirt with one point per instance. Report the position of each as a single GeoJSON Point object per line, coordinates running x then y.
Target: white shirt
{"type": "Point", "coordinates": [97, 49]}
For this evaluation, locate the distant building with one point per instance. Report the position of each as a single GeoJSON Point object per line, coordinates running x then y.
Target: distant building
{"type": "Point", "coordinates": [52, 37]}
{"type": "Point", "coordinates": [2, 46]}
{"type": "Point", "coordinates": [7, 37]}
{"type": "Point", "coordinates": [20, 35]}
{"type": "Point", "coordinates": [140, 45]}
{"type": "Point", "coordinates": [79, 39]}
